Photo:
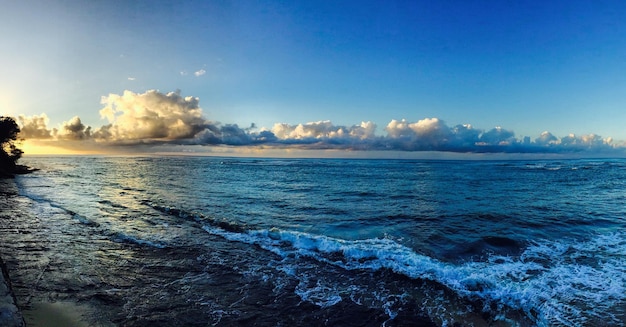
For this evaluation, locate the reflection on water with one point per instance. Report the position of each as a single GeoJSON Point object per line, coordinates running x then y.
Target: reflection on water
{"type": "Point", "coordinates": [197, 241]}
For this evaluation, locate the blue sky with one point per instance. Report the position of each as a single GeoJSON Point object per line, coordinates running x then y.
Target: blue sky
{"type": "Point", "coordinates": [529, 67]}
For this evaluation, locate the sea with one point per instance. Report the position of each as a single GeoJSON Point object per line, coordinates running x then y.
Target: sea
{"type": "Point", "coordinates": [208, 241]}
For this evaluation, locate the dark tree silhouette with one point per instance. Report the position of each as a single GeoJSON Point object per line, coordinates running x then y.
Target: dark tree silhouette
{"type": "Point", "coordinates": [9, 153]}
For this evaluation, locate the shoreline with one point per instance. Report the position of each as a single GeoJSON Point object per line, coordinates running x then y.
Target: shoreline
{"type": "Point", "coordinates": [10, 314]}
{"type": "Point", "coordinates": [103, 305]}
{"type": "Point", "coordinates": [17, 170]}
{"type": "Point", "coordinates": [38, 313]}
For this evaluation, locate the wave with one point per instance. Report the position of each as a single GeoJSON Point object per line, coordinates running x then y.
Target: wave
{"type": "Point", "coordinates": [573, 165]}
{"type": "Point", "coordinates": [125, 238]}
{"type": "Point", "coordinates": [565, 283]}
{"type": "Point", "coordinates": [196, 216]}
{"type": "Point", "coordinates": [40, 199]}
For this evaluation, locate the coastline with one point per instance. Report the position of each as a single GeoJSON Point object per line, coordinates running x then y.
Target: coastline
{"type": "Point", "coordinates": [10, 314]}
{"type": "Point", "coordinates": [44, 296]}
{"type": "Point", "coordinates": [13, 311]}
{"type": "Point", "coordinates": [6, 173]}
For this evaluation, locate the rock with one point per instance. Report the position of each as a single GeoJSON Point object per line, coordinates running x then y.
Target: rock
{"type": "Point", "coordinates": [10, 316]}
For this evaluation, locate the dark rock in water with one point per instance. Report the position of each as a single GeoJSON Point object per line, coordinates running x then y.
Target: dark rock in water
{"type": "Point", "coordinates": [10, 172]}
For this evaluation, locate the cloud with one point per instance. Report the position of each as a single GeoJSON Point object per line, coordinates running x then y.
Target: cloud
{"type": "Point", "coordinates": [322, 135]}
{"type": "Point", "coordinates": [200, 73]}
{"type": "Point", "coordinates": [131, 78]}
{"type": "Point", "coordinates": [73, 129]}
{"type": "Point", "coordinates": [425, 134]}
{"type": "Point", "coordinates": [229, 134]}
{"type": "Point", "coordinates": [156, 118]}
{"type": "Point", "coordinates": [432, 134]}
{"type": "Point", "coordinates": [497, 136]}
{"type": "Point", "coordinates": [150, 115]}
{"type": "Point", "coordinates": [322, 130]}
{"type": "Point", "coordinates": [546, 138]}
{"type": "Point", "coordinates": [34, 127]}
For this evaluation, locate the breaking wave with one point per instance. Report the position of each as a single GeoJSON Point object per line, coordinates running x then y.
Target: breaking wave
{"type": "Point", "coordinates": [563, 283]}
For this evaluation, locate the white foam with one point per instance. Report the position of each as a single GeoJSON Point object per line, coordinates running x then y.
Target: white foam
{"type": "Point", "coordinates": [568, 283]}
{"type": "Point", "coordinates": [318, 294]}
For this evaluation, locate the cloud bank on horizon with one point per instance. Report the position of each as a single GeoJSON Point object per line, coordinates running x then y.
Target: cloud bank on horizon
{"type": "Point", "coordinates": [156, 118]}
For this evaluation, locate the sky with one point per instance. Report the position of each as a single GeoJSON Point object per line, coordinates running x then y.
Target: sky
{"type": "Point", "coordinates": [340, 76]}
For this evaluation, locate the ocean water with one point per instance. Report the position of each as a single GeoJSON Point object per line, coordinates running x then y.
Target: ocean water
{"type": "Point", "coordinates": [230, 241]}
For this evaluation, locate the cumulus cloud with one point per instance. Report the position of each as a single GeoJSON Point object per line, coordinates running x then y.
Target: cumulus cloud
{"type": "Point", "coordinates": [465, 136]}
{"type": "Point", "coordinates": [497, 136]}
{"type": "Point", "coordinates": [200, 72]}
{"type": "Point", "coordinates": [322, 135]}
{"type": "Point", "coordinates": [34, 127]}
{"type": "Point", "coordinates": [546, 138]}
{"type": "Point", "coordinates": [322, 130]}
{"type": "Point", "coordinates": [229, 134]}
{"type": "Point", "coordinates": [425, 134]}
{"type": "Point", "coordinates": [151, 115]}
{"type": "Point", "coordinates": [154, 117]}
{"type": "Point", "coordinates": [73, 129]}
{"type": "Point", "coordinates": [432, 134]}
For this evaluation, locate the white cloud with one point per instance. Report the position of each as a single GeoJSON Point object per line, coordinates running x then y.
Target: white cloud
{"type": "Point", "coordinates": [421, 128]}
{"type": "Point", "coordinates": [200, 72]}
{"type": "Point", "coordinates": [169, 118]}
{"type": "Point", "coordinates": [34, 127]}
{"type": "Point", "coordinates": [497, 136]}
{"type": "Point", "coordinates": [73, 129]}
{"type": "Point", "coordinates": [546, 138]}
{"type": "Point", "coordinates": [151, 115]}
{"type": "Point", "coordinates": [322, 130]}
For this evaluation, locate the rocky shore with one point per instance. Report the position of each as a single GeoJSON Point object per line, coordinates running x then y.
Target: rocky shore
{"type": "Point", "coordinates": [10, 315]}
{"type": "Point", "coordinates": [17, 170]}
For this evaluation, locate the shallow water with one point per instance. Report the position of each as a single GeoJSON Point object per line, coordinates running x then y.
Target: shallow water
{"type": "Point", "coordinates": [182, 240]}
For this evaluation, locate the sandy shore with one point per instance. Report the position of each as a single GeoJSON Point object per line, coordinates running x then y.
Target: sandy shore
{"type": "Point", "coordinates": [56, 314]}
{"type": "Point", "coordinates": [38, 314]}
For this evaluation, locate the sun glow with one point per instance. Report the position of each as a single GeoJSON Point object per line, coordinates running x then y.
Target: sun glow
{"type": "Point", "coordinates": [38, 148]}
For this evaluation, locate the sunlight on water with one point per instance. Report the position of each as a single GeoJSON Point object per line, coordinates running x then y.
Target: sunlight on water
{"type": "Point", "coordinates": [500, 243]}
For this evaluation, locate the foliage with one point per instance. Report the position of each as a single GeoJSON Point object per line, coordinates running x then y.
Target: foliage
{"type": "Point", "coordinates": [9, 153]}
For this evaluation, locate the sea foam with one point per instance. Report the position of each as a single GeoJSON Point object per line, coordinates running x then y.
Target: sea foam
{"type": "Point", "coordinates": [567, 283]}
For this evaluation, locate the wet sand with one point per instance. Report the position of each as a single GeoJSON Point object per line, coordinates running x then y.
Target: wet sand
{"type": "Point", "coordinates": [56, 314]}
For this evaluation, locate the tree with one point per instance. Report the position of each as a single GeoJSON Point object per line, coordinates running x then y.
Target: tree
{"type": "Point", "coordinates": [9, 153]}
